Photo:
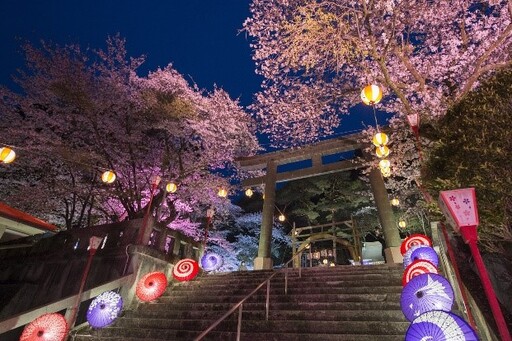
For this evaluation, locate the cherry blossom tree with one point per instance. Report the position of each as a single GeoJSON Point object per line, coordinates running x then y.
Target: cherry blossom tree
{"type": "Point", "coordinates": [82, 112]}
{"type": "Point", "coordinates": [316, 56]}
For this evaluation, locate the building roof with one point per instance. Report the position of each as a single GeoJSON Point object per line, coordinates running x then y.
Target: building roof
{"type": "Point", "coordinates": [17, 216]}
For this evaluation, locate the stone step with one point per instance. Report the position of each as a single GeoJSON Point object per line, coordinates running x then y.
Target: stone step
{"type": "Point", "coordinates": [231, 336]}
{"type": "Point", "coordinates": [170, 329]}
{"type": "Point", "coordinates": [295, 290]}
{"type": "Point", "coordinates": [321, 297]}
{"type": "Point", "coordinates": [307, 306]}
{"type": "Point", "coordinates": [316, 315]}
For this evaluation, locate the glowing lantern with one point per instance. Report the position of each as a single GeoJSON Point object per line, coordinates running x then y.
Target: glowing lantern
{"type": "Point", "coordinates": [248, 192]}
{"type": "Point", "coordinates": [402, 223]}
{"type": "Point", "coordinates": [386, 172]}
{"type": "Point", "coordinates": [382, 151]}
{"type": "Point", "coordinates": [171, 187]}
{"type": "Point", "coordinates": [281, 218]}
{"type": "Point", "coordinates": [395, 202]}
{"type": "Point", "coordinates": [7, 155]}
{"type": "Point", "coordinates": [384, 164]}
{"type": "Point", "coordinates": [380, 139]}
{"type": "Point", "coordinates": [222, 192]}
{"type": "Point", "coordinates": [108, 177]}
{"type": "Point", "coordinates": [371, 94]}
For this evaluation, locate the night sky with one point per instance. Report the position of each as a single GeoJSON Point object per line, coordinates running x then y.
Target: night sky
{"type": "Point", "coordinates": [201, 39]}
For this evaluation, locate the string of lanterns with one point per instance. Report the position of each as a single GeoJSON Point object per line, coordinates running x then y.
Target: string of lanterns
{"type": "Point", "coordinates": [371, 95]}
{"type": "Point", "coordinates": [108, 176]}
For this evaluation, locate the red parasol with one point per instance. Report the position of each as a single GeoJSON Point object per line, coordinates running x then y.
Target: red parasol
{"type": "Point", "coordinates": [418, 267]}
{"type": "Point", "coordinates": [414, 239]}
{"type": "Point", "coordinates": [151, 286]}
{"type": "Point", "coordinates": [47, 327]}
{"type": "Point", "coordinates": [185, 270]}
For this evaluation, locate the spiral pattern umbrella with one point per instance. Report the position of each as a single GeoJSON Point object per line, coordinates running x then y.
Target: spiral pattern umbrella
{"type": "Point", "coordinates": [104, 309]}
{"type": "Point", "coordinates": [151, 286]}
{"type": "Point", "coordinates": [185, 270]}
{"type": "Point", "coordinates": [440, 326]}
{"type": "Point", "coordinates": [414, 239]}
{"type": "Point", "coordinates": [211, 261]}
{"type": "Point", "coordinates": [425, 293]}
{"type": "Point", "coordinates": [47, 327]}
{"type": "Point", "coordinates": [418, 267]}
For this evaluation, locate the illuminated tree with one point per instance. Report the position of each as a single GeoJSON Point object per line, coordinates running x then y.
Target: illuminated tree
{"type": "Point", "coordinates": [80, 112]}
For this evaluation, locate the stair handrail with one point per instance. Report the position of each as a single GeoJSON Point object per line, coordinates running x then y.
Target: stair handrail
{"type": "Point", "coordinates": [239, 305]}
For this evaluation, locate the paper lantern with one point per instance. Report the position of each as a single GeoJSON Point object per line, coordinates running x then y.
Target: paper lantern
{"type": "Point", "coordinates": [382, 151]}
{"type": "Point", "coordinates": [108, 177]}
{"type": "Point", "coordinates": [386, 172]}
{"type": "Point", "coordinates": [151, 286]}
{"type": "Point", "coordinates": [281, 218]}
{"type": "Point", "coordinates": [104, 309]}
{"type": "Point", "coordinates": [402, 223]}
{"type": "Point", "coordinates": [47, 327]}
{"type": "Point", "coordinates": [249, 192]}
{"type": "Point", "coordinates": [7, 155]}
{"type": "Point", "coordinates": [185, 270]}
{"type": "Point", "coordinates": [395, 202]}
{"type": "Point", "coordinates": [384, 164]}
{"type": "Point", "coordinates": [380, 139]}
{"type": "Point", "coordinates": [371, 94]}
{"type": "Point", "coordinates": [222, 192]}
{"type": "Point", "coordinates": [171, 187]}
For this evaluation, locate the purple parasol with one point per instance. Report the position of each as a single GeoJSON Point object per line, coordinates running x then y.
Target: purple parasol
{"type": "Point", "coordinates": [104, 309]}
{"type": "Point", "coordinates": [423, 252]}
{"type": "Point", "coordinates": [211, 261]}
{"type": "Point", "coordinates": [424, 293]}
{"type": "Point", "coordinates": [407, 255]}
{"type": "Point", "coordinates": [440, 325]}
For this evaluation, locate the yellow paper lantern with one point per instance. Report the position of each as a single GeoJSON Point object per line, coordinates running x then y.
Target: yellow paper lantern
{"type": "Point", "coordinates": [380, 139]}
{"type": "Point", "coordinates": [371, 94]}
{"type": "Point", "coordinates": [281, 218]}
{"type": "Point", "coordinates": [384, 164]}
{"type": "Point", "coordinates": [249, 192]}
{"type": "Point", "coordinates": [222, 192]}
{"type": "Point", "coordinates": [108, 177]}
{"type": "Point", "coordinates": [171, 187]}
{"type": "Point", "coordinates": [402, 223]}
{"type": "Point", "coordinates": [386, 172]}
{"type": "Point", "coordinates": [395, 202]}
{"type": "Point", "coordinates": [7, 155]}
{"type": "Point", "coordinates": [382, 151]}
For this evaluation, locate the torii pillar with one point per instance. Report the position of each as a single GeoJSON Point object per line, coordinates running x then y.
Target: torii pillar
{"type": "Point", "coordinates": [385, 212]}
{"type": "Point", "coordinates": [264, 260]}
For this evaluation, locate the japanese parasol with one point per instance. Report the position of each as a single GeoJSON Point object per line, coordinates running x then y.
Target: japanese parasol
{"type": "Point", "coordinates": [407, 255]}
{"type": "Point", "coordinates": [104, 309]}
{"type": "Point", "coordinates": [185, 270]}
{"type": "Point", "coordinates": [47, 327]}
{"type": "Point", "coordinates": [440, 325]}
{"type": "Point", "coordinates": [211, 261]}
{"type": "Point", "coordinates": [425, 253]}
{"type": "Point", "coordinates": [151, 286]}
{"type": "Point", "coordinates": [418, 267]}
{"type": "Point", "coordinates": [424, 293]}
{"type": "Point", "coordinates": [414, 239]}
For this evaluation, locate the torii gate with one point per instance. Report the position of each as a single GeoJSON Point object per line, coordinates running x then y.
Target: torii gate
{"type": "Point", "coordinates": [315, 152]}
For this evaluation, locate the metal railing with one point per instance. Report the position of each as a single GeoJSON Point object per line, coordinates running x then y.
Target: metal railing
{"type": "Point", "coordinates": [240, 304]}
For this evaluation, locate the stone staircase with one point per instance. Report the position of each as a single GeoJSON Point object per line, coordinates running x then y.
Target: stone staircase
{"type": "Point", "coordinates": [331, 303]}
